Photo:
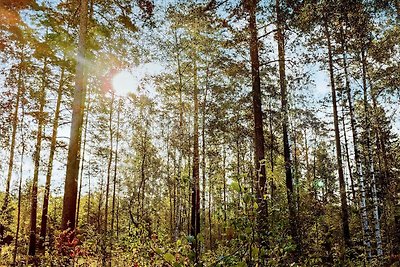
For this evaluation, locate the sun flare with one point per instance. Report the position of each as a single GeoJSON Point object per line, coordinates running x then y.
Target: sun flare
{"type": "Point", "coordinates": [124, 82]}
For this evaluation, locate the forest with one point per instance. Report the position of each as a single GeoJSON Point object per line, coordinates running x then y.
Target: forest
{"type": "Point", "coordinates": [199, 133]}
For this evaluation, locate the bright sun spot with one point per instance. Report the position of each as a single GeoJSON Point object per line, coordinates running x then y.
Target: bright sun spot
{"type": "Point", "coordinates": [124, 83]}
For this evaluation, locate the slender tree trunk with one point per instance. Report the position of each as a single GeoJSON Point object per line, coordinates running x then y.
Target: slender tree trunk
{"type": "Point", "coordinates": [110, 157]}
{"type": "Point", "coordinates": [115, 169]}
{"type": "Point", "coordinates": [143, 172]}
{"type": "Point", "coordinates": [342, 185]}
{"type": "Point", "coordinates": [78, 105]}
{"type": "Point", "coordinates": [43, 224]}
{"type": "Point", "coordinates": [378, 237]}
{"type": "Point", "coordinates": [238, 178]}
{"type": "Point", "coordinates": [170, 186]}
{"type": "Point", "coordinates": [19, 192]}
{"type": "Point", "coordinates": [89, 194]}
{"type": "Point", "coordinates": [210, 187]}
{"type": "Point", "coordinates": [357, 159]}
{"type": "Point", "coordinates": [386, 182]}
{"type": "Point", "coordinates": [203, 149]}
{"type": "Point", "coordinates": [271, 153]}
{"type": "Point", "coordinates": [82, 167]}
{"type": "Point", "coordinates": [13, 135]}
{"type": "Point", "coordinates": [307, 158]}
{"type": "Point", "coordinates": [258, 125]}
{"type": "Point", "coordinates": [181, 135]}
{"type": "Point", "coordinates": [106, 256]}
{"type": "Point", "coordinates": [195, 217]}
{"type": "Point", "coordinates": [224, 178]}
{"type": "Point", "coordinates": [346, 147]}
{"type": "Point", "coordinates": [38, 147]}
{"type": "Point", "coordinates": [285, 123]}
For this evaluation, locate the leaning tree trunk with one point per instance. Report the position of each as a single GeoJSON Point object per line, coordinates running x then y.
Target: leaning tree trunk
{"type": "Point", "coordinates": [258, 126]}
{"type": "Point", "coordinates": [38, 147]}
{"type": "Point", "coordinates": [342, 185]}
{"type": "Point", "coordinates": [285, 121]}
{"type": "Point", "coordinates": [43, 224]}
{"type": "Point", "coordinates": [78, 106]}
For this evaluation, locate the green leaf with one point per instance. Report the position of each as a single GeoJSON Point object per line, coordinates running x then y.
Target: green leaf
{"type": "Point", "coordinates": [169, 257]}
{"type": "Point", "coordinates": [241, 264]}
{"type": "Point", "coordinates": [255, 206]}
{"type": "Point", "coordinates": [235, 186]}
{"type": "Point", "coordinates": [248, 230]}
{"type": "Point", "coordinates": [200, 238]}
{"type": "Point", "coordinates": [254, 252]}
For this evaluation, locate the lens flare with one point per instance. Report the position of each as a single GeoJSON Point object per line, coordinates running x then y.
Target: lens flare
{"type": "Point", "coordinates": [124, 83]}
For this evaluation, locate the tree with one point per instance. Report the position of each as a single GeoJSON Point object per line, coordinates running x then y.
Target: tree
{"type": "Point", "coordinates": [251, 7]}
{"type": "Point", "coordinates": [284, 113]}
{"type": "Point", "coordinates": [342, 185]}
{"type": "Point", "coordinates": [71, 179]}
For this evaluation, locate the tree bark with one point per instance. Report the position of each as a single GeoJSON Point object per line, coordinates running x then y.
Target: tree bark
{"type": "Point", "coordinates": [180, 141]}
{"type": "Point", "coordinates": [82, 163]}
{"type": "Point", "coordinates": [258, 125]}
{"type": "Point", "coordinates": [43, 224]}
{"type": "Point", "coordinates": [357, 159]}
{"type": "Point", "coordinates": [110, 157]}
{"type": "Point", "coordinates": [115, 169]}
{"type": "Point", "coordinates": [285, 122]}
{"type": "Point", "coordinates": [19, 193]}
{"type": "Point", "coordinates": [78, 106]}
{"type": "Point", "coordinates": [13, 136]}
{"type": "Point", "coordinates": [38, 147]}
{"type": "Point", "coordinates": [342, 185]}
{"type": "Point", "coordinates": [195, 217]}
{"type": "Point", "coordinates": [378, 237]}
{"type": "Point", "coordinates": [203, 149]}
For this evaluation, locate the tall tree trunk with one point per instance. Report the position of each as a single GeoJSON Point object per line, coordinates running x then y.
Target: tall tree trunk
{"type": "Point", "coordinates": [346, 147]}
{"type": "Point", "coordinates": [378, 237]}
{"type": "Point", "coordinates": [342, 185]}
{"type": "Point", "coordinates": [19, 191]}
{"type": "Point", "coordinates": [38, 147]}
{"type": "Point", "coordinates": [43, 224]}
{"type": "Point", "coordinates": [357, 159]}
{"type": "Point", "coordinates": [271, 153]}
{"type": "Point", "coordinates": [210, 187]}
{"type": "Point", "coordinates": [78, 106]}
{"type": "Point", "coordinates": [285, 124]}
{"type": "Point", "coordinates": [203, 148]}
{"type": "Point", "coordinates": [258, 125]}
{"type": "Point", "coordinates": [88, 221]}
{"type": "Point", "coordinates": [179, 175]}
{"type": "Point", "coordinates": [106, 256]}
{"type": "Point", "coordinates": [82, 163]}
{"type": "Point", "coordinates": [195, 217]}
{"type": "Point", "coordinates": [224, 193]}
{"type": "Point", "coordinates": [115, 168]}
{"type": "Point", "coordinates": [13, 135]}
{"type": "Point", "coordinates": [110, 158]}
